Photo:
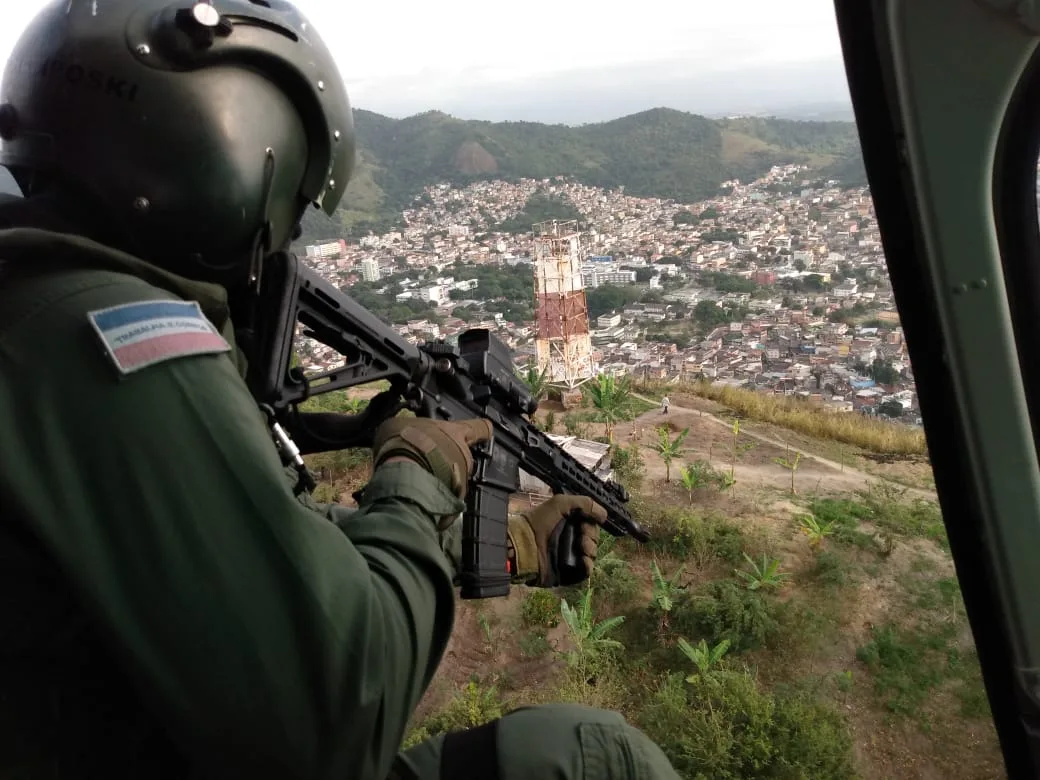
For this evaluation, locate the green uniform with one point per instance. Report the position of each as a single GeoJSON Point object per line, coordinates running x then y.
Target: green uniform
{"type": "Point", "coordinates": [554, 742]}
{"type": "Point", "coordinates": [151, 519]}
{"type": "Point", "coordinates": [147, 526]}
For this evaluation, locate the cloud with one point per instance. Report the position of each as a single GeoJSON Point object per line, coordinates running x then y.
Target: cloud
{"type": "Point", "coordinates": [596, 94]}
{"type": "Point", "coordinates": [571, 61]}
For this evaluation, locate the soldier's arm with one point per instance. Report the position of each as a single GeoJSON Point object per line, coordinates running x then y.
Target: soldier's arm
{"type": "Point", "coordinates": [272, 642]}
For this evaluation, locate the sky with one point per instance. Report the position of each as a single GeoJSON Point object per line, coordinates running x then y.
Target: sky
{"type": "Point", "coordinates": [569, 61]}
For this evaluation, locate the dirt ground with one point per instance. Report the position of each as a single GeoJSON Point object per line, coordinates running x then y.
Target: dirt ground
{"type": "Point", "coordinates": [711, 439]}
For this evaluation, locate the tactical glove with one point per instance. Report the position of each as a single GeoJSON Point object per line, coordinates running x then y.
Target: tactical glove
{"type": "Point", "coordinates": [536, 539]}
{"type": "Point", "coordinates": [442, 448]}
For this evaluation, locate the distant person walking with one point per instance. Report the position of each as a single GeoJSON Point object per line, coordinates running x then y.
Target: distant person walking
{"type": "Point", "coordinates": [664, 405]}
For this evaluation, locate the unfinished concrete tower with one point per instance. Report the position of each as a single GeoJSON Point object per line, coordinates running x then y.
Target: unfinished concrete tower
{"type": "Point", "coordinates": [563, 344]}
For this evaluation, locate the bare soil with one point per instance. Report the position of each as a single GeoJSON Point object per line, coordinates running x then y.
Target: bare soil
{"type": "Point", "coordinates": [753, 460]}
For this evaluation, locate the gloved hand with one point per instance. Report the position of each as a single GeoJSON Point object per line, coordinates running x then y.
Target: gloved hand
{"type": "Point", "coordinates": [535, 536]}
{"type": "Point", "coordinates": [442, 448]}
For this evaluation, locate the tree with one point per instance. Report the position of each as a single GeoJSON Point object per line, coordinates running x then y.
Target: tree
{"type": "Point", "coordinates": [540, 207]}
{"type": "Point", "coordinates": [644, 275]}
{"type": "Point", "coordinates": [708, 314]}
{"type": "Point", "coordinates": [611, 397]}
{"type": "Point", "coordinates": [883, 373]}
{"type": "Point", "coordinates": [669, 449]}
{"type": "Point", "coordinates": [891, 408]}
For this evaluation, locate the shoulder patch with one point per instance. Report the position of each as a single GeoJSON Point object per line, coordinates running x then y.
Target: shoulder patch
{"type": "Point", "coordinates": [138, 335]}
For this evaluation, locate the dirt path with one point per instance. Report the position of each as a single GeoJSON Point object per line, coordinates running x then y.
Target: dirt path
{"type": "Point", "coordinates": [758, 464]}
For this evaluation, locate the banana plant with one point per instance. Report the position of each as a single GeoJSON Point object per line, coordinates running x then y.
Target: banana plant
{"type": "Point", "coordinates": [355, 405]}
{"type": "Point", "coordinates": [664, 592]}
{"type": "Point", "coordinates": [814, 530]}
{"type": "Point", "coordinates": [608, 562]}
{"type": "Point", "coordinates": [589, 637]}
{"type": "Point", "coordinates": [612, 398]}
{"type": "Point", "coordinates": [705, 658]}
{"type": "Point", "coordinates": [669, 449]}
{"type": "Point", "coordinates": [762, 576]}
{"type": "Point", "coordinates": [694, 476]}
{"type": "Point", "coordinates": [737, 451]}
{"type": "Point", "coordinates": [536, 379]}
{"type": "Point", "coordinates": [790, 464]}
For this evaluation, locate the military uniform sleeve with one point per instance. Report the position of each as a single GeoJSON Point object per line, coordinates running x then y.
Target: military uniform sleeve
{"type": "Point", "coordinates": [449, 539]}
{"type": "Point", "coordinates": [272, 642]}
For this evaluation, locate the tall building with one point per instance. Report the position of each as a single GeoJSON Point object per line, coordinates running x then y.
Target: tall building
{"type": "Point", "coordinates": [562, 344]}
{"type": "Point", "coordinates": [328, 249]}
{"type": "Point", "coordinates": [370, 270]}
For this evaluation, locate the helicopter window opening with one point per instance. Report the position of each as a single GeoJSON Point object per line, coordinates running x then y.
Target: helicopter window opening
{"type": "Point", "coordinates": [8, 186]}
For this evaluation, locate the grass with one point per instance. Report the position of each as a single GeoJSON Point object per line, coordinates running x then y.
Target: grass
{"type": "Point", "coordinates": [908, 664]}
{"type": "Point", "coordinates": [866, 642]}
{"type": "Point", "coordinates": [885, 508]}
{"type": "Point", "coordinates": [803, 416]}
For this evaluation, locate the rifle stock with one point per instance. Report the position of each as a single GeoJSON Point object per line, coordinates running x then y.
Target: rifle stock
{"type": "Point", "coordinates": [439, 381]}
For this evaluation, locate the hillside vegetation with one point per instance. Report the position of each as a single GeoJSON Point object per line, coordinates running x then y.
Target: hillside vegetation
{"type": "Point", "coordinates": [658, 153]}
{"type": "Point", "coordinates": [790, 618]}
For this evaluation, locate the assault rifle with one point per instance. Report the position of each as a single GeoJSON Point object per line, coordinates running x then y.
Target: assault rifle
{"type": "Point", "coordinates": [437, 380]}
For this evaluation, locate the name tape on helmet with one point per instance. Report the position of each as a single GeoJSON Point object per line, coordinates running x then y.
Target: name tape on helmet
{"type": "Point", "coordinates": [138, 335]}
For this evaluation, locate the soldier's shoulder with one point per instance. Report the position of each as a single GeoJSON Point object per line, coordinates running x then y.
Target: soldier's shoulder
{"type": "Point", "coordinates": [68, 289]}
{"type": "Point", "coordinates": [129, 322]}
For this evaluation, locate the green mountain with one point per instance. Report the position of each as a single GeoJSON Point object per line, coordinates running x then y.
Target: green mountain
{"type": "Point", "coordinates": [657, 153]}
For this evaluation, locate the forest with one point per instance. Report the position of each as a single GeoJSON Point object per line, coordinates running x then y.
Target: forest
{"type": "Point", "coordinates": [540, 207]}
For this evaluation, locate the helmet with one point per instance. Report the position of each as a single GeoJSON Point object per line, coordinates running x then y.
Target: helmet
{"type": "Point", "coordinates": [201, 130]}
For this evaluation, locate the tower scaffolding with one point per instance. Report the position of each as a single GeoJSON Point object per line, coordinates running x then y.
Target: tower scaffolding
{"type": "Point", "coordinates": [563, 345]}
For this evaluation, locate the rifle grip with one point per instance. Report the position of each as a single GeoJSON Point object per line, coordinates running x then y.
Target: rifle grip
{"type": "Point", "coordinates": [569, 565]}
{"type": "Point", "coordinates": [485, 525]}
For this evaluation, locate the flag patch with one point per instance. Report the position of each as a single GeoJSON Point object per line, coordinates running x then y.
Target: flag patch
{"type": "Point", "coordinates": [138, 335]}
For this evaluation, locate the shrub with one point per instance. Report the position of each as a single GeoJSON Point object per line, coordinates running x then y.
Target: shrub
{"type": "Point", "coordinates": [687, 535]}
{"type": "Point", "coordinates": [725, 610]}
{"type": "Point", "coordinates": [887, 508]}
{"type": "Point", "coordinates": [612, 576]}
{"type": "Point", "coordinates": [830, 570]}
{"type": "Point", "coordinates": [473, 706]}
{"type": "Point", "coordinates": [541, 609]}
{"type": "Point", "coordinates": [724, 726]}
{"type": "Point", "coordinates": [628, 465]}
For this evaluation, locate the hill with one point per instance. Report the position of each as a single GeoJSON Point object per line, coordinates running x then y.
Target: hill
{"type": "Point", "coordinates": [780, 623]}
{"type": "Point", "coordinates": [657, 153]}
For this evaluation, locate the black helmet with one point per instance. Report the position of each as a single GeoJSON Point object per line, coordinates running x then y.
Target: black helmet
{"type": "Point", "coordinates": [202, 130]}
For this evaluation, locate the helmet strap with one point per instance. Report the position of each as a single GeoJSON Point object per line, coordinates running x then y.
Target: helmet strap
{"type": "Point", "coordinates": [262, 241]}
